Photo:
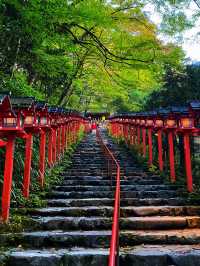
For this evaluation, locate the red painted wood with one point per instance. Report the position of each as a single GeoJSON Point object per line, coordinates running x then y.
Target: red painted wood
{"type": "Point", "coordinates": [50, 148]}
{"type": "Point", "coordinates": [114, 243]}
{"type": "Point", "coordinates": [144, 141]}
{"type": "Point", "coordinates": [188, 162]}
{"type": "Point", "coordinates": [54, 148]}
{"type": "Point", "coordinates": [171, 156]}
{"type": "Point", "coordinates": [42, 157]}
{"type": "Point", "coordinates": [7, 183]}
{"type": "Point", "coordinates": [138, 135]}
{"type": "Point", "coordinates": [63, 138]}
{"type": "Point", "coordinates": [150, 146]}
{"type": "Point", "coordinates": [66, 136]}
{"type": "Point", "coordinates": [58, 142]}
{"type": "Point", "coordinates": [160, 150]}
{"type": "Point", "coordinates": [27, 165]}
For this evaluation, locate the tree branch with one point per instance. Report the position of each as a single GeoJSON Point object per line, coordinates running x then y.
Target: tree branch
{"type": "Point", "coordinates": [107, 51]}
{"type": "Point", "coordinates": [124, 8]}
{"type": "Point", "coordinates": [197, 4]}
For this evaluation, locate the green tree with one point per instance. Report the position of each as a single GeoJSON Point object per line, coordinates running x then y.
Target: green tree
{"type": "Point", "coordinates": [179, 88]}
{"type": "Point", "coordinates": [51, 48]}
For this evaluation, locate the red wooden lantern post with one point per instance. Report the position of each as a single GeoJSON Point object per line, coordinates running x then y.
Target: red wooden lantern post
{"type": "Point", "coordinates": [187, 127]}
{"type": "Point", "coordinates": [75, 128]}
{"type": "Point", "coordinates": [115, 130]}
{"type": "Point", "coordinates": [26, 105]}
{"type": "Point", "coordinates": [143, 128]}
{"type": "Point", "coordinates": [67, 132]}
{"type": "Point", "coordinates": [128, 133]}
{"type": "Point", "coordinates": [132, 130]}
{"type": "Point", "coordinates": [52, 147]}
{"type": "Point", "coordinates": [11, 125]}
{"type": "Point", "coordinates": [170, 124]}
{"type": "Point", "coordinates": [44, 124]}
{"type": "Point", "coordinates": [120, 127]}
{"type": "Point", "coordinates": [59, 131]}
{"type": "Point", "coordinates": [64, 131]}
{"type": "Point", "coordinates": [149, 126]}
{"type": "Point", "coordinates": [124, 129]}
{"type": "Point", "coordinates": [75, 122]}
{"type": "Point", "coordinates": [158, 126]}
{"type": "Point", "coordinates": [71, 130]}
{"type": "Point", "coordinates": [138, 129]}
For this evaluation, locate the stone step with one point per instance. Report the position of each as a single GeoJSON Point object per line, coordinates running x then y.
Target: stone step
{"type": "Point", "coordinates": [57, 239]}
{"type": "Point", "coordinates": [177, 236]}
{"type": "Point", "coordinates": [104, 182]}
{"type": "Point", "coordinates": [101, 238]}
{"type": "Point", "coordinates": [80, 202]}
{"type": "Point", "coordinates": [88, 166]}
{"type": "Point", "coordinates": [80, 195]}
{"type": "Point", "coordinates": [124, 202]}
{"type": "Point", "coordinates": [124, 211]}
{"type": "Point", "coordinates": [58, 257]}
{"type": "Point", "coordinates": [142, 255]}
{"type": "Point", "coordinates": [105, 223]}
{"type": "Point", "coordinates": [86, 178]}
{"type": "Point", "coordinates": [72, 223]}
{"type": "Point", "coordinates": [160, 255]}
{"type": "Point", "coordinates": [159, 222]}
{"type": "Point", "coordinates": [95, 177]}
{"type": "Point", "coordinates": [73, 211]}
{"type": "Point", "coordinates": [160, 210]}
{"type": "Point", "coordinates": [88, 158]}
{"type": "Point", "coordinates": [127, 187]}
{"type": "Point", "coordinates": [110, 194]}
{"type": "Point", "coordinates": [86, 171]}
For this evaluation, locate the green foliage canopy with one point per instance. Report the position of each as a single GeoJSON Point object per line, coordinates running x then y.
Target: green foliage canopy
{"type": "Point", "coordinates": [89, 54]}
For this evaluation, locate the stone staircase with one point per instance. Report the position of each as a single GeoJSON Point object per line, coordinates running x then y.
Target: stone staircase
{"type": "Point", "coordinates": [159, 226]}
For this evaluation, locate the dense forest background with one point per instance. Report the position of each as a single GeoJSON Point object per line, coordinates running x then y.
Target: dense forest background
{"type": "Point", "coordinates": [95, 55]}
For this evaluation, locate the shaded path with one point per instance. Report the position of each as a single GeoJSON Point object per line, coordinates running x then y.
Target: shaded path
{"type": "Point", "coordinates": [157, 228]}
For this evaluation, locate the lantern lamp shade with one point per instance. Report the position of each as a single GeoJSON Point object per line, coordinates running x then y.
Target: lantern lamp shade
{"type": "Point", "coordinates": [150, 122]}
{"type": "Point", "coordinates": [29, 120]}
{"type": "Point", "coordinates": [10, 122]}
{"type": "Point", "coordinates": [159, 123]}
{"type": "Point", "coordinates": [187, 122]}
{"type": "Point", "coordinates": [43, 121]}
{"type": "Point", "coordinates": [137, 121]}
{"type": "Point", "coordinates": [53, 121]}
{"type": "Point", "coordinates": [171, 123]}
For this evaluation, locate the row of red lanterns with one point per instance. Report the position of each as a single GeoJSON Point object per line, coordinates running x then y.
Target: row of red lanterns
{"type": "Point", "coordinates": [25, 117]}
{"type": "Point", "coordinates": [137, 127]}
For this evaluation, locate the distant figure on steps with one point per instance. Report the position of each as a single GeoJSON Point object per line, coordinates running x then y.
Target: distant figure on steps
{"type": "Point", "coordinates": [93, 127]}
